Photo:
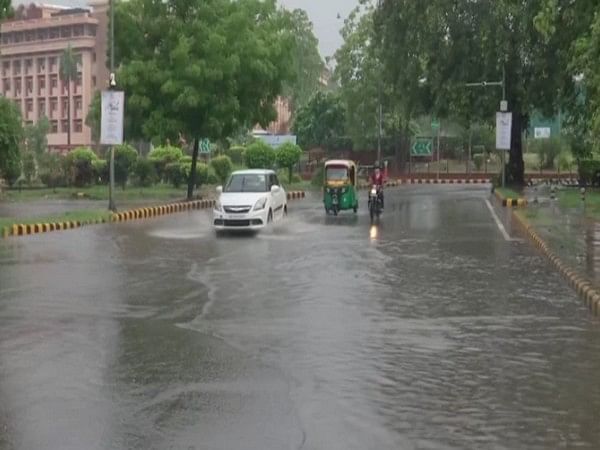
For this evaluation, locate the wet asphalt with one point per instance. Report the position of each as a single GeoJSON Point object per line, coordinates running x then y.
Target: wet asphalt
{"type": "Point", "coordinates": [428, 330]}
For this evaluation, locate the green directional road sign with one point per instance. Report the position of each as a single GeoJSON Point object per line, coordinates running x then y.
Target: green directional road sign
{"type": "Point", "coordinates": [435, 124]}
{"type": "Point", "coordinates": [204, 146]}
{"type": "Point", "coordinates": [422, 147]}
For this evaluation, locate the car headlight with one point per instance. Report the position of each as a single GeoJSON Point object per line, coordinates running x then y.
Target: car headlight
{"type": "Point", "coordinates": [260, 205]}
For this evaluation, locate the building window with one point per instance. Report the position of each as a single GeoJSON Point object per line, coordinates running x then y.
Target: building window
{"type": "Point", "coordinates": [78, 103]}
{"type": "Point", "coordinates": [29, 123]}
{"type": "Point", "coordinates": [41, 108]}
{"type": "Point", "coordinates": [28, 66]}
{"type": "Point", "coordinates": [78, 126]}
{"type": "Point", "coordinates": [29, 105]}
{"type": "Point", "coordinates": [53, 33]}
{"type": "Point", "coordinates": [5, 68]}
{"type": "Point", "coordinates": [17, 86]}
{"type": "Point", "coordinates": [41, 85]}
{"type": "Point", "coordinates": [53, 82]}
{"type": "Point", "coordinates": [65, 106]}
{"type": "Point", "coordinates": [64, 126]}
{"type": "Point", "coordinates": [29, 86]}
{"type": "Point", "coordinates": [7, 38]}
{"type": "Point", "coordinates": [53, 106]}
{"type": "Point", "coordinates": [90, 30]}
{"type": "Point", "coordinates": [42, 34]}
{"type": "Point", "coordinates": [29, 36]}
{"type": "Point", "coordinates": [65, 32]}
{"type": "Point", "coordinates": [78, 30]}
{"type": "Point", "coordinates": [18, 37]}
{"type": "Point", "coordinates": [53, 65]}
{"type": "Point", "coordinates": [17, 68]}
{"type": "Point", "coordinates": [54, 126]}
{"type": "Point", "coordinates": [41, 65]}
{"type": "Point", "coordinates": [78, 82]}
{"type": "Point", "coordinates": [6, 86]}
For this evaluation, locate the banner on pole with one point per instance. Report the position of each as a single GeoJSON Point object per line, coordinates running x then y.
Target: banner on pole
{"type": "Point", "coordinates": [111, 123]}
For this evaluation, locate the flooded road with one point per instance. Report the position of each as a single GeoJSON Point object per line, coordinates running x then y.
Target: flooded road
{"type": "Point", "coordinates": [427, 331]}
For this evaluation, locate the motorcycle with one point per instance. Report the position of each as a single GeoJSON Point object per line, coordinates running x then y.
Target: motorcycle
{"type": "Point", "coordinates": [375, 204]}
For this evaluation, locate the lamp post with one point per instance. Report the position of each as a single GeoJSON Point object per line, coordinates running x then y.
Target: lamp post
{"type": "Point", "coordinates": [112, 84]}
{"type": "Point", "coordinates": [503, 108]}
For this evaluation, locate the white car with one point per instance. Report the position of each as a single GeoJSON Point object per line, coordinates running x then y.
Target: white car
{"type": "Point", "coordinates": [250, 200]}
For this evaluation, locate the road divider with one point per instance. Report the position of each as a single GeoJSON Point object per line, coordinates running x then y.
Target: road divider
{"type": "Point", "coordinates": [508, 202]}
{"type": "Point", "coordinates": [155, 211]}
{"type": "Point", "coordinates": [26, 229]}
{"type": "Point", "coordinates": [295, 195]}
{"type": "Point", "coordinates": [585, 288]}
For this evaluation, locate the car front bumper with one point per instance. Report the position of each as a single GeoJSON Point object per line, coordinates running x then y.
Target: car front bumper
{"type": "Point", "coordinates": [254, 220]}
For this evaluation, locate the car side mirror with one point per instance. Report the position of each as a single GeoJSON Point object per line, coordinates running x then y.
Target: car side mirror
{"type": "Point", "coordinates": [219, 189]}
{"type": "Point", "coordinates": [275, 189]}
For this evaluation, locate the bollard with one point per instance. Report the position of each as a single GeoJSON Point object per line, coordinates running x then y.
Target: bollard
{"type": "Point", "coordinates": [582, 194]}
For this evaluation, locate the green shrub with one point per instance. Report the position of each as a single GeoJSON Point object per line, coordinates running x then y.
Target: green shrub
{"type": "Point", "coordinates": [259, 155]}
{"type": "Point", "coordinates": [287, 156]}
{"type": "Point", "coordinates": [222, 167]}
{"type": "Point", "coordinates": [236, 154]}
{"type": "Point", "coordinates": [478, 161]}
{"type": "Point", "coordinates": [125, 158]}
{"type": "Point", "coordinates": [175, 173]}
{"type": "Point", "coordinates": [565, 161]}
{"type": "Point", "coordinates": [51, 170]}
{"type": "Point", "coordinates": [202, 171]}
{"type": "Point", "coordinates": [79, 166]}
{"type": "Point", "coordinates": [186, 159]}
{"type": "Point", "coordinates": [588, 171]}
{"type": "Point", "coordinates": [28, 166]}
{"type": "Point", "coordinates": [318, 177]}
{"type": "Point", "coordinates": [101, 171]}
{"type": "Point", "coordinates": [531, 161]}
{"type": "Point", "coordinates": [161, 156]}
{"type": "Point", "coordinates": [145, 172]}
{"type": "Point", "coordinates": [547, 151]}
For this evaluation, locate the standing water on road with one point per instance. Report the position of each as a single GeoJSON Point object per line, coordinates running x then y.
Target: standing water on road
{"type": "Point", "coordinates": [427, 330]}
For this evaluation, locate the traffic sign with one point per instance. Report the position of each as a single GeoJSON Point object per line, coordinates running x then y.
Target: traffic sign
{"type": "Point", "coordinates": [435, 124]}
{"type": "Point", "coordinates": [204, 146]}
{"type": "Point", "coordinates": [503, 130]}
{"type": "Point", "coordinates": [422, 147]}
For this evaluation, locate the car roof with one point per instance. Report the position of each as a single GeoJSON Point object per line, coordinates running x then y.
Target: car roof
{"type": "Point", "coordinates": [253, 172]}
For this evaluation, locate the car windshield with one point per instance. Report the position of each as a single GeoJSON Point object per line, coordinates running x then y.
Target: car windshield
{"type": "Point", "coordinates": [247, 182]}
{"type": "Point", "coordinates": [337, 173]}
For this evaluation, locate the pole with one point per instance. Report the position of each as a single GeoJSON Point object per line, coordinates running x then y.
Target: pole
{"type": "Point", "coordinates": [111, 186]}
{"type": "Point", "coordinates": [438, 152]}
{"type": "Point", "coordinates": [379, 133]}
{"type": "Point", "coordinates": [504, 100]}
{"type": "Point", "coordinates": [470, 143]}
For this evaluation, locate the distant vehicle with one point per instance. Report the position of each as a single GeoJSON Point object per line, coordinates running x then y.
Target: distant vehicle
{"type": "Point", "coordinates": [375, 206]}
{"type": "Point", "coordinates": [251, 200]}
{"type": "Point", "coordinates": [340, 190]}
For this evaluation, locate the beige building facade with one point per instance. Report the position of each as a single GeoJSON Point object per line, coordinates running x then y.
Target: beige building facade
{"type": "Point", "coordinates": [31, 45]}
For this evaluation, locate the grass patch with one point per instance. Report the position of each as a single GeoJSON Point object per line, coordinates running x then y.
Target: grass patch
{"type": "Point", "coordinates": [508, 193]}
{"type": "Point", "coordinates": [69, 216]}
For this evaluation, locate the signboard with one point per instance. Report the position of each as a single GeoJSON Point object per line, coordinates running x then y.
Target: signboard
{"type": "Point", "coordinates": [435, 124]}
{"type": "Point", "coordinates": [205, 146]}
{"type": "Point", "coordinates": [503, 130]}
{"type": "Point", "coordinates": [111, 121]}
{"type": "Point", "coordinates": [422, 147]}
{"type": "Point", "coordinates": [277, 140]}
{"type": "Point", "coordinates": [542, 133]}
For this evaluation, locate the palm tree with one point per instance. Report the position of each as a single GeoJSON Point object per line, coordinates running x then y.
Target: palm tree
{"type": "Point", "coordinates": [68, 71]}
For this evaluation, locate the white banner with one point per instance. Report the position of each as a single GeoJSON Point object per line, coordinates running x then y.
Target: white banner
{"type": "Point", "coordinates": [503, 130]}
{"type": "Point", "coordinates": [277, 140]}
{"type": "Point", "coordinates": [113, 109]}
{"type": "Point", "coordinates": [542, 133]}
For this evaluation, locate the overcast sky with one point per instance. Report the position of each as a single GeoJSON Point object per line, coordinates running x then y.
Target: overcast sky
{"type": "Point", "coordinates": [323, 14]}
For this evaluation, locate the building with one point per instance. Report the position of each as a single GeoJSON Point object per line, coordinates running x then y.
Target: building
{"type": "Point", "coordinates": [30, 49]}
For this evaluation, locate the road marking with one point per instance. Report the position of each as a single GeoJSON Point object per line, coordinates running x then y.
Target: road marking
{"type": "Point", "coordinates": [500, 224]}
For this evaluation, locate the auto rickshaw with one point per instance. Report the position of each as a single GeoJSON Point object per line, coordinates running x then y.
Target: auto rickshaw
{"type": "Point", "coordinates": [340, 191]}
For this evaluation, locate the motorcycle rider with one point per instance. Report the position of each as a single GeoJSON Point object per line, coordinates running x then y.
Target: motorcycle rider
{"type": "Point", "coordinates": [377, 179]}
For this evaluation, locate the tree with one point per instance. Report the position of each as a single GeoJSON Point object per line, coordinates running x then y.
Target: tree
{"type": "Point", "coordinates": [440, 47]}
{"type": "Point", "coordinates": [200, 68]}
{"type": "Point", "coordinates": [322, 122]}
{"type": "Point", "coordinates": [125, 158]}
{"type": "Point", "coordinates": [51, 172]}
{"type": "Point", "coordinates": [11, 133]}
{"type": "Point", "coordinates": [307, 64]}
{"type": "Point", "coordinates": [287, 156]}
{"type": "Point", "coordinates": [94, 117]}
{"type": "Point", "coordinates": [68, 72]}
{"type": "Point", "coordinates": [259, 155]}
{"type": "Point", "coordinates": [36, 136]}
{"type": "Point", "coordinates": [79, 165]}
{"type": "Point", "coordinates": [222, 166]}
{"type": "Point", "coordinates": [6, 9]}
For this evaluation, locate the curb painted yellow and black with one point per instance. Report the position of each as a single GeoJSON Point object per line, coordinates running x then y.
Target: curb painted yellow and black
{"type": "Point", "coordinates": [26, 229]}
{"type": "Point", "coordinates": [584, 287]}
{"type": "Point", "coordinates": [156, 211]}
{"type": "Point", "coordinates": [295, 195]}
{"type": "Point", "coordinates": [511, 202]}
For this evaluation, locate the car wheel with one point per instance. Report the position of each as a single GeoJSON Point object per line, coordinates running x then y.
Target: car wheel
{"type": "Point", "coordinates": [285, 211]}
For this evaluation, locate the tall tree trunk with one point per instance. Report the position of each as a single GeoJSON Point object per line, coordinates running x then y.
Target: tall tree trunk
{"type": "Point", "coordinates": [69, 113]}
{"type": "Point", "coordinates": [192, 179]}
{"type": "Point", "coordinates": [515, 170]}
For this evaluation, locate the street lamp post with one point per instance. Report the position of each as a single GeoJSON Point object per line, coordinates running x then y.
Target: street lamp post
{"type": "Point", "coordinates": [503, 108]}
{"type": "Point", "coordinates": [112, 85]}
